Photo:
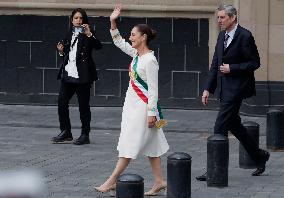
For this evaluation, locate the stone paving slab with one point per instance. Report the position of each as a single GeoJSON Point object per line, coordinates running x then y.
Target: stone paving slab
{"type": "Point", "coordinates": [71, 171]}
{"type": "Point", "coordinates": [179, 120]}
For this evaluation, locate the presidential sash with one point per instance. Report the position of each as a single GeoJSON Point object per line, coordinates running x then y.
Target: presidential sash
{"type": "Point", "coordinates": [141, 89]}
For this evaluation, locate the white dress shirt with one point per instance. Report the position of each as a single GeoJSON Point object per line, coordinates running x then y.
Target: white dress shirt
{"type": "Point", "coordinates": [231, 34]}
{"type": "Point", "coordinates": [71, 67]}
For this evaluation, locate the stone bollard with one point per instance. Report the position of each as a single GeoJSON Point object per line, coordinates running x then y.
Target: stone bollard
{"type": "Point", "coordinates": [130, 186]}
{"type": "Point", "coordinates": [245, 160]}
{"type": "Point", "coordinates": [179, 175]}
{"type": "Point", "coordinates": [275, 130]}
{"type": "Point", "coordinates": [217, 161]}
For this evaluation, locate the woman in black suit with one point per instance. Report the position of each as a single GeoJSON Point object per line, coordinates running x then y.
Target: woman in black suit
{"type": "Point", "coordinates": [77, 73]}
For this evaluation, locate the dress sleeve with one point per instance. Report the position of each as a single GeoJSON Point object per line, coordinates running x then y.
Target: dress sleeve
{"type": "Point", "coordinates": [152, 69]}
{"type": "Point", "coordinates": [121, 43]}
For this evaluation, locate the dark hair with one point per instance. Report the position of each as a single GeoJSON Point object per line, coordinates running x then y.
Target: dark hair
{"type": "Point", "coordinates": [145, 29]}
{"type": "Point", "coordinates": [84, 16]}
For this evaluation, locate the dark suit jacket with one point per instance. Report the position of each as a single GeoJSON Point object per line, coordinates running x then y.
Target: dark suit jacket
{"type": "Point", "coordinates": [85, 65]}
{"type": "Point", "coordinates": [243, 58]}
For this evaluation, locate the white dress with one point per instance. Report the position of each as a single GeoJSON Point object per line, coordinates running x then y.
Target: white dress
{"type": "Point", "coordinates": [135, 137]}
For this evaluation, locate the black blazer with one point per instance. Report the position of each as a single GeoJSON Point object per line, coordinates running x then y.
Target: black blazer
{"type": "Point", "coordinates": [243, 58]}
{"type": "Point", "coordinates": [85, 65]}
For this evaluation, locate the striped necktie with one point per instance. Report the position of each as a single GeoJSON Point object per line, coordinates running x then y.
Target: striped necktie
{"type": "Point", "coordinates": [226, 41]}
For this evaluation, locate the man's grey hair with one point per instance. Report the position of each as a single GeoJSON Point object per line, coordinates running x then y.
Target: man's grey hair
{"type": "Point", "coordinates": [230, 10]}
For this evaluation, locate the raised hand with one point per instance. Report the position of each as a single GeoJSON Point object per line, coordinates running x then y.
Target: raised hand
{"type": "Point", "coordinates": [87, 30]}
{"type": "Point", "coordinates": [116, 12]}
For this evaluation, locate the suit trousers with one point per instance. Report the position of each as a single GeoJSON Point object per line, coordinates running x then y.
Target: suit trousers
{"type": "Point", "coordinates": [228, 119]}
{"type": "Point", "coordinates": [67, 90]}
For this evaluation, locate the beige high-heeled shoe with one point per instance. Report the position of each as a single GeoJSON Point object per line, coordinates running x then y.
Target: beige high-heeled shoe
{"type": "Point", "coordinates": [105, 190]}
{"type": "Point", "coordinates": [156, 191]}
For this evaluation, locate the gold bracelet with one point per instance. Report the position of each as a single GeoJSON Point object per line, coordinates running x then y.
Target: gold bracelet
{"type": "Point", "coordinates": [115, 36]}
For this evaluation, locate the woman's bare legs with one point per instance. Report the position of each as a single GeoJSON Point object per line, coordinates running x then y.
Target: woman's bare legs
{"type": "Point", "coordinates": [109, 184]}
{"type": "Point", "coordinates": [159, 183]}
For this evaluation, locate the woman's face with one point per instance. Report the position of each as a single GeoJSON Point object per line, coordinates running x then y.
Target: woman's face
{"type": "Point", "coordinates": [136, 38]}
{"type": "Point", "coordinates": [77, 19]}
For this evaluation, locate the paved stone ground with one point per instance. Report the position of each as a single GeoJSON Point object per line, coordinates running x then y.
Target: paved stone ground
{"type": "Point", "coordinates": [71, 171]}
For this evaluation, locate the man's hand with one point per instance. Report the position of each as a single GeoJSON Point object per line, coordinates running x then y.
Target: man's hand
{"type": "Point", "coordinates": [205, 97]}
{"type": "Point", "coordinates": [152, 121]}
{"type": "Point", "coordinates": [225, 68]}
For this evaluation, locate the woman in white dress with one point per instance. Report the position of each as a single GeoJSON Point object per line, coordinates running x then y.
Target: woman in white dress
{"type": "Point", "coordinates": [141, 123]}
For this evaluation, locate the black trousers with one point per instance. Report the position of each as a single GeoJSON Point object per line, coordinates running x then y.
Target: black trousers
{"type": "Point", "coordinates": [67, 90]}
{"type": "Point", "coordinates": [228, 119]}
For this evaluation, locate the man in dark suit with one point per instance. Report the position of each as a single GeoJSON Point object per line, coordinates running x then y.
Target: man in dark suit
{"type": "Point", "coordinates": [231, 76]}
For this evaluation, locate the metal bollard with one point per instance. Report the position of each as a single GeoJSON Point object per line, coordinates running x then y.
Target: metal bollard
{"type": "Point", "coordinates": [130, 186]}
{"type": "Point", "coordinates": [179, 175]}
{"type": "Point", "coordinates": [217, 161]}
{"type": "Point", "coordinates": [275, 130]}
{"type": "Point", "coordinates": [245, 160]}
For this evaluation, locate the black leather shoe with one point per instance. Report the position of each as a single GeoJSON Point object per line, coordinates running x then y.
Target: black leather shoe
{"type": "Point", "coordinates": [261, 167]}
{"type": "Point", "coordinates": [83, 139]}
{"type": "Point", "coordinates": [258, 171]}
{"type": "Point", "coordinates": [202, 177]}
{"type": "Point", "coordinates": [64, 137]}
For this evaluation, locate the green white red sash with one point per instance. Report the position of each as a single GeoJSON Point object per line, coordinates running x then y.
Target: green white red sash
{"type": "Point", "coordinates": [141, 88]}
